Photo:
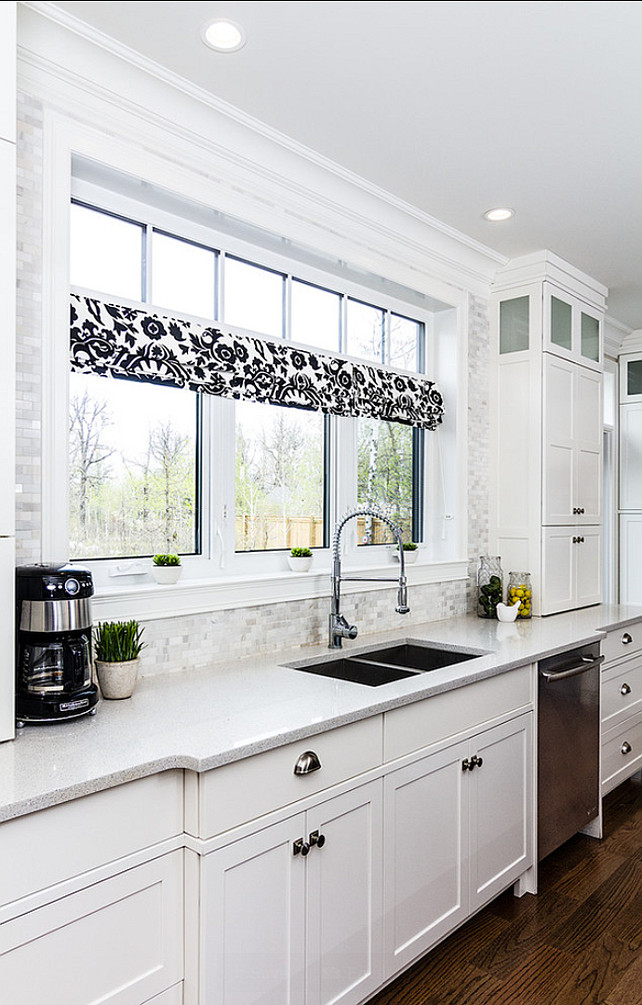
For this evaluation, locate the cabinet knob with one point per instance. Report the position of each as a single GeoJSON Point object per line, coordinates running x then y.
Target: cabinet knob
{"type": "Point", "coordinates": [626, 747]}
{"type": "Point", "coordinates": [466, 765]}
{"type": "Point", "coordinates": [476, 761]}
{"type": "Point", "coordinates": [627, 639]}
{"type": "Point", "coordinates": [300, 847]}
{"type": "Point", "coordinates": [625, 689]}
{"type": "Point", "coordinates": [307, 763]}
{"type": "Point", "coordinates": [315, 838]}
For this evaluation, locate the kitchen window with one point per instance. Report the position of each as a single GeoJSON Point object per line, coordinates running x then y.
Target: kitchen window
{"type": "Point", "coordinates": [230, 485]}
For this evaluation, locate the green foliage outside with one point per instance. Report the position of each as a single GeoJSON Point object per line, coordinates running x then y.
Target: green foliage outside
{"type": "Point", "coordinates": [121, 505]}
{"type": "Point", "coordinates": [384, 477]}
{"type": "Point", "coordinates": [279, 481]}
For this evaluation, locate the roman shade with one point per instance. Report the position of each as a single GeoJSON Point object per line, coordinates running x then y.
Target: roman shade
{"type": "Point", "coordinates": [143, 343]}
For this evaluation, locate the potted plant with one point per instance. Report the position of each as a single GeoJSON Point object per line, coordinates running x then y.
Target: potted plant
{"type": "Point", "coordinates": [409, 552]}
{"type": "Point", "coordinates": [166, 569]}
{"type": "Point", "coordinates": [117, 647]}
{"type": "Point", "coordinates": [300, 559]}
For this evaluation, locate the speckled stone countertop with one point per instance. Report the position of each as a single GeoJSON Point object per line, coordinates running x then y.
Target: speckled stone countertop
{"type": "Point", "coordinates": [201, 719]}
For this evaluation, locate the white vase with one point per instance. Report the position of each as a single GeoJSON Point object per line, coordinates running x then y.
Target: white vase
{"type": "Point", "coordinates": [117, 680]}
{"type": "Point", "coordinates": [409, 557]}
{"type": "Point", "coordinates": [166, 574]}
{"type": "Point", "coordinates": [299, 564]}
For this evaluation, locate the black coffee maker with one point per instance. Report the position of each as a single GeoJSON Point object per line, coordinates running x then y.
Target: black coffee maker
{"type": "Point", "coordinates": [53, 643]}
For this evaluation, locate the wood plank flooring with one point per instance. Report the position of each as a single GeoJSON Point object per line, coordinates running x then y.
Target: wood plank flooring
{"type": "Point", "coordinates": [578, 942]}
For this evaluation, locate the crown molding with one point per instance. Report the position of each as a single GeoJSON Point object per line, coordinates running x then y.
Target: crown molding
{"type": "Point", "coordinates": [453, 256]}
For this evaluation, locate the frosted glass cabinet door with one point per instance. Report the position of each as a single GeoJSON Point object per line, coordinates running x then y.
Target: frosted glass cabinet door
{"type": "Point", "coordinates": [572, 328]}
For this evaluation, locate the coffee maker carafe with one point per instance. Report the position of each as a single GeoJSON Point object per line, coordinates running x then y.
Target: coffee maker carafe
{"type": "Point", "coordinates": [53, 643]}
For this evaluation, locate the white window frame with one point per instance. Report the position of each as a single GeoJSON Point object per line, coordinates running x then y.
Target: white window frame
{"type": "Point", "coordinates": [251, 585]}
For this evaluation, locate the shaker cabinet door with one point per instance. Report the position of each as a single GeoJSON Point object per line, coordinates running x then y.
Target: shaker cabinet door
{"type": "Point", "coordinates": [253, 924]}
{"type": "Point", "coordinates": [426, 838]}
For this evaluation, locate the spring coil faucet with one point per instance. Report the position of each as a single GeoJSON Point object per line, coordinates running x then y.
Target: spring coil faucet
{"type": "Point", "coordinates": [339, 627]}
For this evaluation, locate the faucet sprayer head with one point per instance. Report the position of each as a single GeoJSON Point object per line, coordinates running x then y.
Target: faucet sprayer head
{"type": "Point", "coordinates": [402, 601]}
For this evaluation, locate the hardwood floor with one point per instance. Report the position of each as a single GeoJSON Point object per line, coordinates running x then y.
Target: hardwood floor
{"type": "Point", "coordinates": [579, 941]}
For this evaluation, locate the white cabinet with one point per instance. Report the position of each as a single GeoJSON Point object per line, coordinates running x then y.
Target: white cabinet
{"type": "Point", "coordinates": [571, 567]}
{"type": "Point", "coordinates": [572, 327]}
{"type": "Point", "coordinates": [118, 941]}
{"type": "Point", "coordinates": [8, 72]}
{"type": "Point", "coordinates": [572, 462]}
{"type": "Point", "coordinates": [91, 909]}
{"type": "Point", "coordinates": [546, 429]}
{"type": "Point", "coordinates": [8, 356]}
{"type": "Point", "coordinates": [630, 503]}
{"type": "Point", "coordinates": [621, 706]}
{"type": "Point", "coordinates": [457, 832]}
{"type": "Point", "coordinates": [292, 913]}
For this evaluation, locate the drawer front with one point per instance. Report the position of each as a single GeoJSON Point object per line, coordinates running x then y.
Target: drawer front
{"type": "Point", "coordinates": [434, 719]}
{"type": "Point", "coordinates": [118, 942]}
{"type": "Point", "coordinates": [622, 642]}
{"type": "Point", "coordinates": [238, 792]}
{"type": "Point", "coordinates": [621, 690]}
{"type": "Point", "coordinates": [89, 832]}
{"type": "Point", "coordinates": [621, 753]}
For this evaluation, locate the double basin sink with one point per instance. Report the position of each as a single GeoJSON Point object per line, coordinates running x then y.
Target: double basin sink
{"type": "Point", "coordinates": [386, 663]}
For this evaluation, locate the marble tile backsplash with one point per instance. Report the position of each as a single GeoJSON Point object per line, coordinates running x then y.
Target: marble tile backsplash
{"type": "Point", "coordinates": [194, 641]}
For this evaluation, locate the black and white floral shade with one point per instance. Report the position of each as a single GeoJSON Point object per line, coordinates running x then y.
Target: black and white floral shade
{"type": "Point", "coordinates": [142, 344]}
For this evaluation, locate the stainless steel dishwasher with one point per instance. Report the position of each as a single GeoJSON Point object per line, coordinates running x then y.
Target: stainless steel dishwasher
{"type": "Point", "coordinates": [568, 745]}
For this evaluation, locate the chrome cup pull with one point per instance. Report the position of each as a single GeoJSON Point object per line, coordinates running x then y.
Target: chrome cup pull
{"type": "Point", "coordinates": [307, 763]}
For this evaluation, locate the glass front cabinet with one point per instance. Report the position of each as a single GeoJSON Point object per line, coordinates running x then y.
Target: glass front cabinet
{"type": "Point", "coordinates": [546, 429]}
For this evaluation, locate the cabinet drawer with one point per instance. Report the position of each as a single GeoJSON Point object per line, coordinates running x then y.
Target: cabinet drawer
{"type": "Point", "coordinates": [621, 753]}
{"type": "Point", "coordinates": [55, 844]}
{"type": "Point", "coordinates": [621, 692]}
{"type": "Point", "coordinates": [622, 642]}
{"type": "Point", "coordinates": [118, 942]}
{"type": "Point", "coordinates": [429, 721]}
{"type": "Point", "coordinates": [238, 792]}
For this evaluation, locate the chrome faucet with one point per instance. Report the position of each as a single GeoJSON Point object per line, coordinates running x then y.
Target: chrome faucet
{"type": "Point", "coordinates": [339, 627]}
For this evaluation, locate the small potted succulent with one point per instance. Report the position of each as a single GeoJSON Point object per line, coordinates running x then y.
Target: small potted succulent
{"type": "Point", "coordinates": [166, 569]}
{"type": "Point", "coordinates": [410, 552]}
{"type": "Point", "coordinates": [300, 559]}
{"type": "Point", "coordinates": [117, 647]}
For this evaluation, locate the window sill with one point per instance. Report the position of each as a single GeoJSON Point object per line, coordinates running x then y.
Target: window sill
{"type": "Point", "coordinates": [198, 596]}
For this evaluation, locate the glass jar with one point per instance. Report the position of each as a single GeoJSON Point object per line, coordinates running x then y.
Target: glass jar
{"type": "Point", "coordinates": [490, 585]}
{"type": "Point", "coordinates": [520, 591]}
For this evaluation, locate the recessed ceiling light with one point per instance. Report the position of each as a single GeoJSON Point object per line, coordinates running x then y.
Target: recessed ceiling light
{"type": "Point", "coordinates": [497, 215]}
{"type": "Point", "coordinates": [223, 35]}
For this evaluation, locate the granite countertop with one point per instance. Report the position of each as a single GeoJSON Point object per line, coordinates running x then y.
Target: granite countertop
{"type": "Point", "coordinates": [200, 719]}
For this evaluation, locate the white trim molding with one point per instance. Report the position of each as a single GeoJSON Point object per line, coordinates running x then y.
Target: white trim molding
{"type": "Point", "coordinates": [151, 602]}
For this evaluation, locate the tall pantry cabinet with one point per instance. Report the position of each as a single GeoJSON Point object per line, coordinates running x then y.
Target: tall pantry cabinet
{"type": "Point", "coordinates": [7, 357]}
{"type": "Point", "coordinates": [630, 508]}
{"type": "Point", "coordinates": [546, 429]}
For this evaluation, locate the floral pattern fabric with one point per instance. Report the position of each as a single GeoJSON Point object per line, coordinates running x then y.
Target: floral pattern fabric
{"type": "Point", "coordinates": [142, 344]}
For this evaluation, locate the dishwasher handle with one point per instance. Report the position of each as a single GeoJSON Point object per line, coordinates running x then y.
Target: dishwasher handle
{"type": "Point", "coordinates": [586, 663]}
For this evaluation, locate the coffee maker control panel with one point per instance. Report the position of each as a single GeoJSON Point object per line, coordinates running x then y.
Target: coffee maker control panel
{"type": "Point", "coordinates": [54, 582]}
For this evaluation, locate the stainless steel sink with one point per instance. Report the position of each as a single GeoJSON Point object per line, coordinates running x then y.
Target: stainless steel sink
{"type": "Point", "coordinates": [385, 663]}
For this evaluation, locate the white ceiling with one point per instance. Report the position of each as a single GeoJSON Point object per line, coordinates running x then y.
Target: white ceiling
{"type": "Point", "coordinates": [453, 107]}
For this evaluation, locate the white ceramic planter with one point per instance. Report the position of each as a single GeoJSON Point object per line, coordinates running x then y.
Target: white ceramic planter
{"type": "Point", "coordinates": [117, 680]}
{"type": "Point", "coordinates": [410, 557]}
{"type": "Point", "coordinates": [299, 564]}
{"type": "Point", "coordinates": [166, 574]}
